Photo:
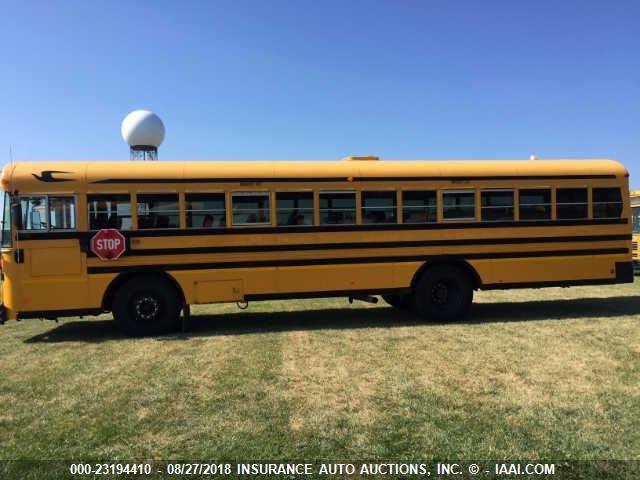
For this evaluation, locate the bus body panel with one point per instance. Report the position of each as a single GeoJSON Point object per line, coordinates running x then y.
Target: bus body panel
{"type": "Point", "coordinates": [59, 272]}
{"type": "Point", "coordinates": [231, 285]}
{"type": "Point", "coordinates": [52, 276]}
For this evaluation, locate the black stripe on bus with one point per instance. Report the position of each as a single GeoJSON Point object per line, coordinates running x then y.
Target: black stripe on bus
{"type": "Point", "coordinates": [326, 293]}
{"type": "Point", "coordinates": [53, 314]}
{"type": "Point", "coordinates": [351, 179]}
{"type": "Point", "coordinates": [176, 232]}
{"type": "Point", "coordinates": [370, 227]}
{"type": "Point", "coordinates": [368, 245]}
{"type": "Point", "coordinates": [349, 260]}
{"type": "Point", "coordinates": [24, 235]}
{"type": "Point", "coordinates": [553, 283]}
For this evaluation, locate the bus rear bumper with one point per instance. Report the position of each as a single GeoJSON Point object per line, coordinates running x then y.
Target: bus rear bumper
{"type": "Point", "coordinates": [625, 271]}
{"type": "Point", "coordinates": [3, 314]}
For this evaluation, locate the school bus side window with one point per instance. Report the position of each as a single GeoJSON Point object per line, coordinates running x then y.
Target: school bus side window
{"type": "Point", "coordinates": [607, 203]}
{"type": "Point", "coordinates": [6, 221]}
{"type": "Point", "coordinates": [43, 213]}
{"type": "Point", "coordinates": [205, 210]}
{"type": "Point", "coordinates": [496, 205]}
{"type": "Point", "coordinates": [459, 205]}
{"type": "Point", "coordinates": [34, 213]}
{"type": "Point", "coordinates": [109, 211]}
{"type": "Point", "coordinates": [294, 208]}
{"type": "Point", "coordinates": [635, 219]}
{"type": "Point", "coordinates": [571, 203]}
{"type": "Point", "coordinates": [250, 208]}
{"type": "Point", "coordinates": [419, 206]}
{"type": "Point", "coordinates": [62, 213]}
{"type": "Point", "coordinates": [158, 211]}
{"type": "Point", "coordinates": [337, 208]}
{"type": "Point", "coordinates": [379, 207]}
{"type": "Point", "coordinates": [535, 204]}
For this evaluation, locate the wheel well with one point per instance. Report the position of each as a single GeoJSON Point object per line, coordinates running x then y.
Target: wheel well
{"type": "Point", "coordinates": [465, 266]}
{"type": "Point", "coordinates": [121, 279]}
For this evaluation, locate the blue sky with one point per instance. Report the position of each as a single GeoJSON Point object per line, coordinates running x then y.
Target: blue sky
{"type": "Point", "coordinates": [323, 79]}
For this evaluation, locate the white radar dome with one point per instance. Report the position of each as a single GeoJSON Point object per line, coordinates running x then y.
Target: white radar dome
{"type": "Point", "coordinates": [142, 127]}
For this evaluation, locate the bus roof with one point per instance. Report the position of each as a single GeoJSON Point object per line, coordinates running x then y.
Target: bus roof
{"type": "Point", "coordinates": [71, 176]}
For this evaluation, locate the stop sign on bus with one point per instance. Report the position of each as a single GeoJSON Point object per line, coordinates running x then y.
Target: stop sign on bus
{"type": "Point", "coordinates": [108, 244]}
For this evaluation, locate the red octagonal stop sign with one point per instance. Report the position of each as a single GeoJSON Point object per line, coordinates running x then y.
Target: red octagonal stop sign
{"type": "Point", "coordinates": [108, 244]}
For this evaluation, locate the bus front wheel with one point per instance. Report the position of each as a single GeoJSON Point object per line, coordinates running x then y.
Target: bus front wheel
{"type": "Point", "coordinates": [443, 294]}
{"type": "Point", "coordinates": [146, 305]}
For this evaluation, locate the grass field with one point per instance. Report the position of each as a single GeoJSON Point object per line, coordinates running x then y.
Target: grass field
{"type": "Point", "coordinates": [534, 374]}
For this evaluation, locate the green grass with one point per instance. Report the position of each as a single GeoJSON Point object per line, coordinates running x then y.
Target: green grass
{"type": "Point", "coordinates": [549, 374]}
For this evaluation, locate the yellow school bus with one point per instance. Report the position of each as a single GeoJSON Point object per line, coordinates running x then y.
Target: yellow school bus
{"type": "Point", "coordinates": [635, 221]}
{"type": "Point", "coordinates": [423, 234]}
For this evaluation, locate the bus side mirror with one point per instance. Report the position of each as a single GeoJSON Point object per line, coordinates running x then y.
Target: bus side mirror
{"type": "Point", "coordinates": [16, 215]}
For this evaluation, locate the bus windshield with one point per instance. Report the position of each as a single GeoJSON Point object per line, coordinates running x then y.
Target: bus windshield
{"type": "Point", "coordinates": [635, 215]}
{"type": "Point", "coordinates": [6, 221]}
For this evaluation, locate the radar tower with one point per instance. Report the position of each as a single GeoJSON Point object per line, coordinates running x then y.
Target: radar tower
{"type": "Point", "coordinates": [144, 132]}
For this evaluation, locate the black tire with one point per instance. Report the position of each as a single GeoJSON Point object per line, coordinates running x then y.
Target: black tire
{"type": "Point", "coordinates": [401, 301]}
{"type": "Point", "coordinates": [443, 294]}
{"type": "Point", "coordinates": [146, 305]}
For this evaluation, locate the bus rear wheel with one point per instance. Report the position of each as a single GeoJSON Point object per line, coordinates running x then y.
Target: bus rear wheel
{"type": "Point", "coordinates": [146, 305]}
{"type": "Point", "coordinates": [443, 294]}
